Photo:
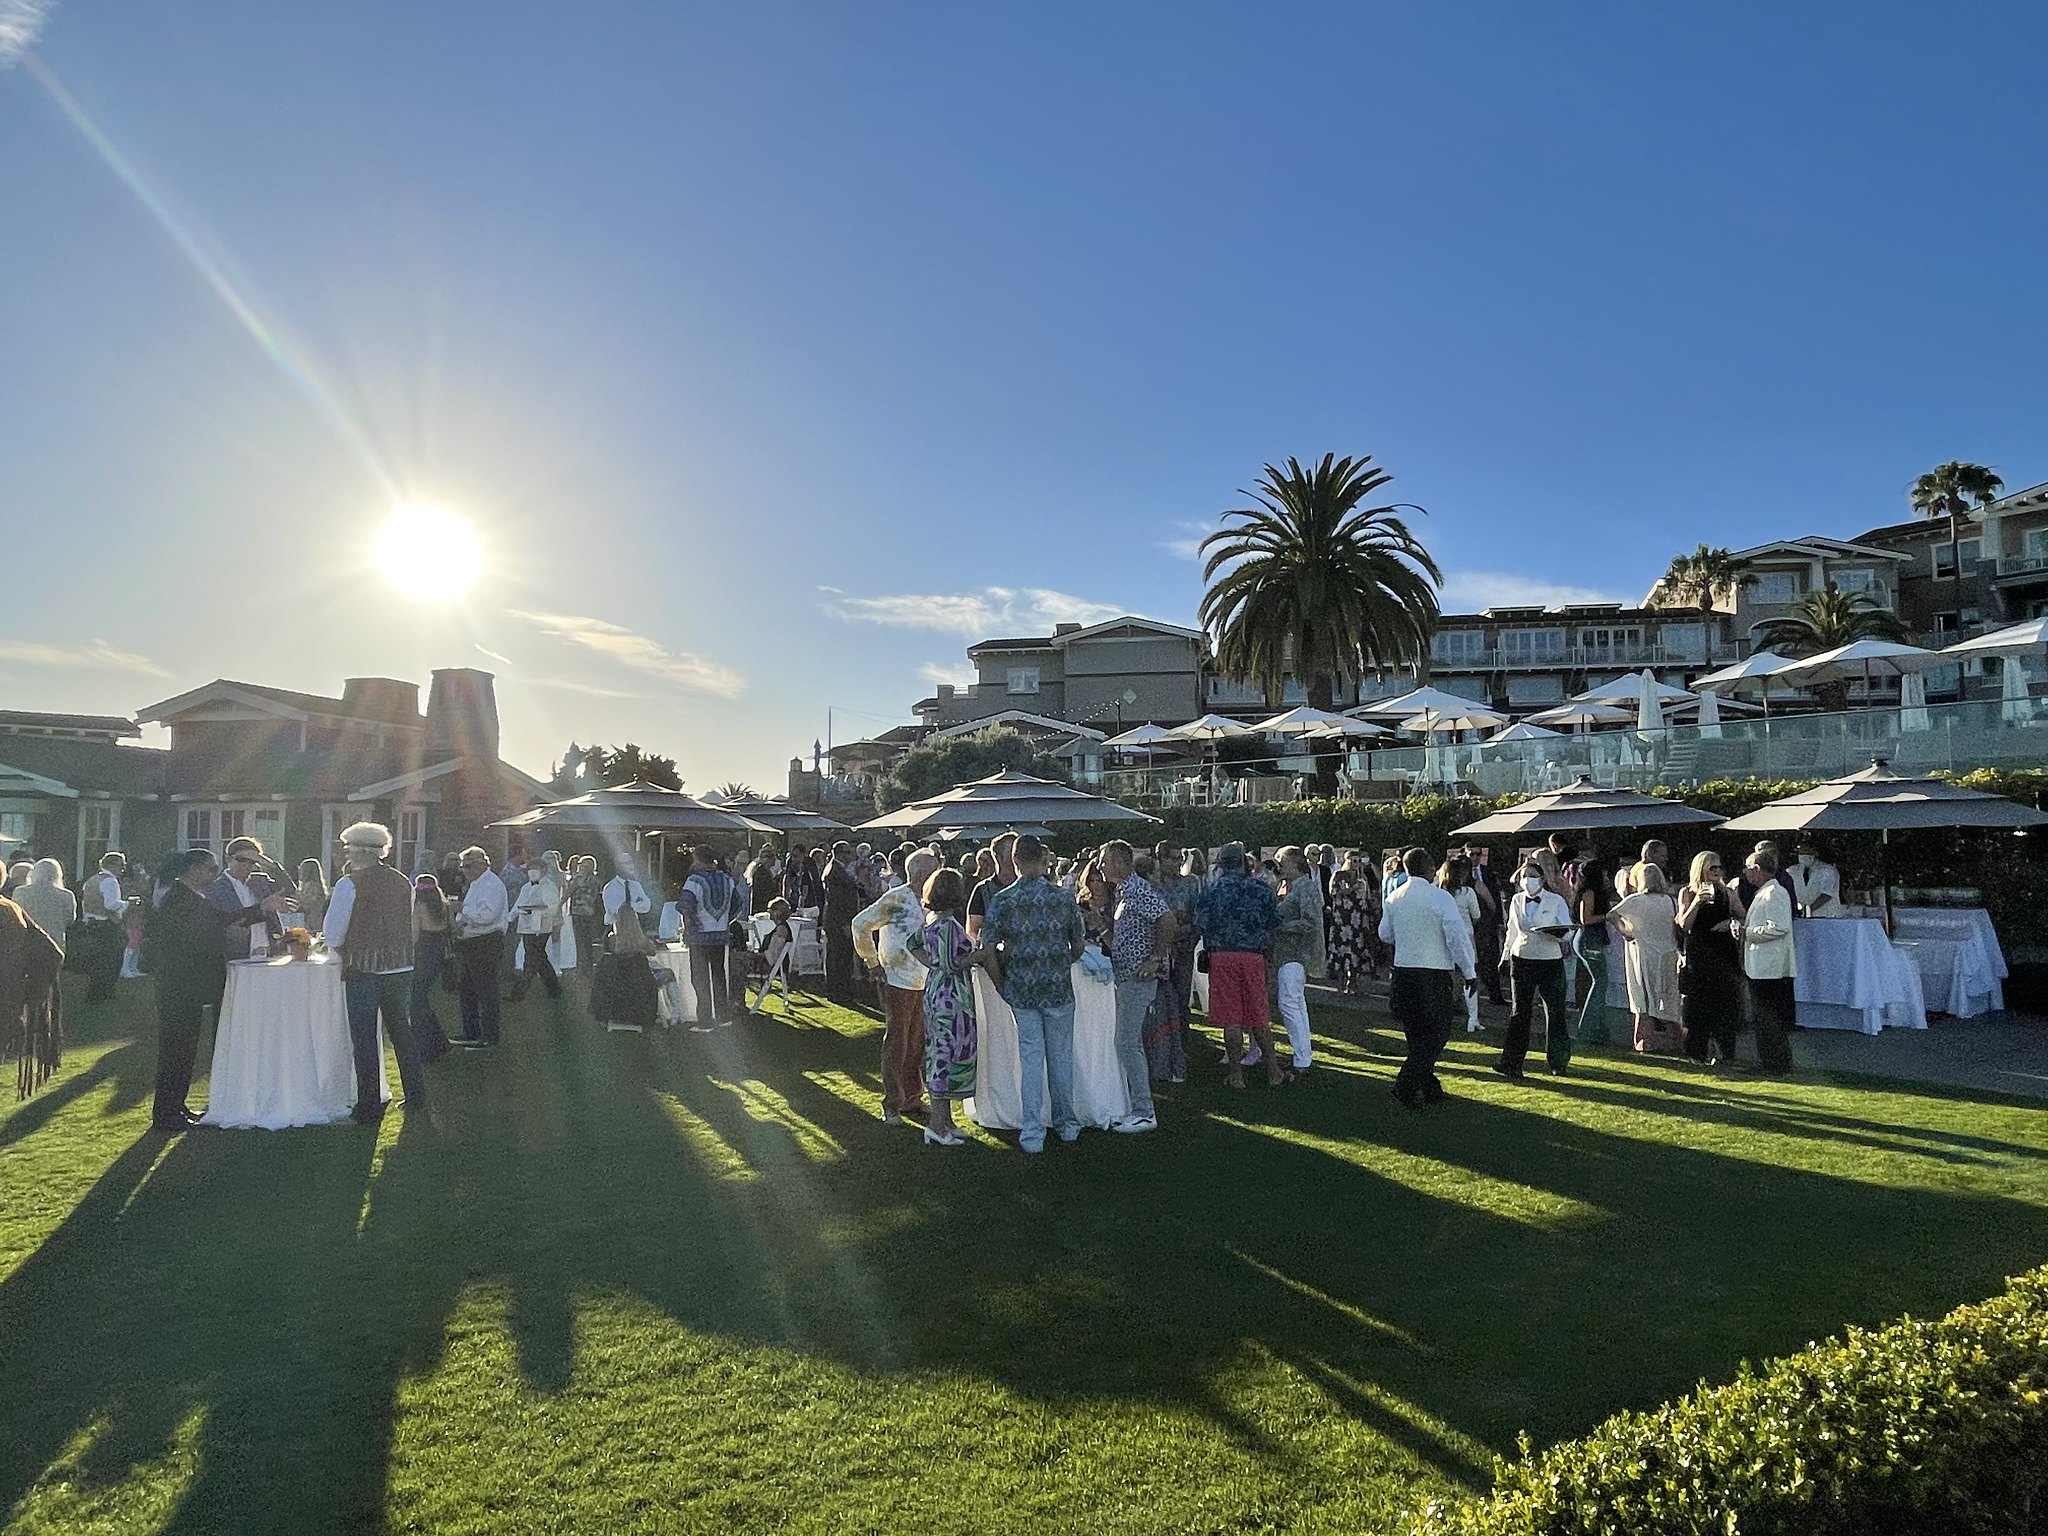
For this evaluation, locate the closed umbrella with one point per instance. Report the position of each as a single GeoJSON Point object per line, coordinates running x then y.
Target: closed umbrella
{"type": "Point", "coordinates": [2016, 708]}
{"type": "Point", "coordinates": [1649, 707]}
{"type": "Point", "coordinates": [1710, 715]}
{"type": "Point", "coordinates": [1913, 702]}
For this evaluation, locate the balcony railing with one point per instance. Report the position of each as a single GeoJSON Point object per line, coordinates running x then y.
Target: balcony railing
{"type": "Point", "coordinates": [2023, 565]}
{"type": "Point", "coordinates": [1592, 658]}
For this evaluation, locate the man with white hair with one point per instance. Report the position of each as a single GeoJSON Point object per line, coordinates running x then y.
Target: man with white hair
{"type": "Point", "coordinates": [479, 928]}
{"type": "Point", "coordinates": [895, 915]}
{"type": "Point", "coordinates": [369, 924]}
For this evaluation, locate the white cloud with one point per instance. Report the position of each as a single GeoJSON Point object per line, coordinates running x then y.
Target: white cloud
{"type": "Point", "coordinates": [960, 676]}
{"type": "Point", "coordinates": [20, 23]}
{"type": "Point", "coordinates": [1471, 591]}
{"type": "Point", "coordinates": [981, 615]}
{"type": "Point", "coordinates": [92, 654]}
{"type": "Point", "coordinates": [1186, 542]}
{"type": "Point", "coordinates": [628, 649]}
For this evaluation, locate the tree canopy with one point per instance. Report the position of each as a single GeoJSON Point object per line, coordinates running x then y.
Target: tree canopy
{"type": "Point", "coordinates": [936, 766]}
{"type": "Point", "coordinates": [1702, 578]}
{"type": "Point", "coordinates": [583, 769]}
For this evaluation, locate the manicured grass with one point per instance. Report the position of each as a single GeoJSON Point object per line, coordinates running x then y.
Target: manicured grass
{"type": "Point", "coordinates": [690, 1282]}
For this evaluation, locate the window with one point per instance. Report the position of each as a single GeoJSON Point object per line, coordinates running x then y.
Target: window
{"type": "Point", "coordinates": [95, 834]}
{"type": "Point", "coordinates": [1535, 689]}
{"type": "Point", "coordinates": [1457, 647]}
{"type": "Point", "coordinates": [1969, 549]}
{"type": "Point", "coordinates": [1612, 642]}
{"type": "Point", "coordinates": [1777, 588]}
{"type": "Point", "coordinates": [1686, 642]}
{"type": "Point", "coordinates": [17, 826]}
{"type": "Point", "coordinates": [1023, 680]}
{"type": "Point", "coordinates": [1531, 647]}
{"type": "Point", "coordinates": [213, 828]}
{"type": "Point", "coordinates": [1857, 581]}
{"type": "Point", "coordinates": [410, 824]}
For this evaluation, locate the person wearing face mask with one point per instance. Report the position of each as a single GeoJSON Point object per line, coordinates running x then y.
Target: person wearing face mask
{"type": "Point", "coordinates": [1538, 925]}
{"type": "Point", "coordinates": [1816, 884]}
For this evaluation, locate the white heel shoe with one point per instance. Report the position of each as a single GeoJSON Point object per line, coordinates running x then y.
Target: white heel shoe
{"type": "Point", "coordinates": [951, 1138]}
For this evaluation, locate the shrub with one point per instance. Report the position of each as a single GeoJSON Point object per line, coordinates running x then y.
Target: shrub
{"type": "Point", "coordinates": [1912, 1430]}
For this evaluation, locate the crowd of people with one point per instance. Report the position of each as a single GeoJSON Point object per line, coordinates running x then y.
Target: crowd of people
{"type": "Point", "coordinates": [902, 933]}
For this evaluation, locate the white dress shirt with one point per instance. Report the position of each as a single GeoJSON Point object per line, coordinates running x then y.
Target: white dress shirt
{"type": "Point", "coordinates": [1767, 952]}
{"type": "Point", "coordinates": [617, 892]}
{"type": "Point", "coordinates": [1811, 885]}
{"type": "Point", "coordinates": [1527, 913]}
{"type": "Point", "coordinates": [1428, 931]}
{"type": "Point", "coordinates": [484, 909]}
{"type": "Point", "coordinates": [109, 888]}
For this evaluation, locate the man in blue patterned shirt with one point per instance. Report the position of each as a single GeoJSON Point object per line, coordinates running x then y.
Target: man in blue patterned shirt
{"type": "Point", "coordinates": [1033, 932]}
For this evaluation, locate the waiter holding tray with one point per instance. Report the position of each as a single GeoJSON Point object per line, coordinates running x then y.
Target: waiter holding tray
{"type": "Point", "coordinates": [1538, 924]}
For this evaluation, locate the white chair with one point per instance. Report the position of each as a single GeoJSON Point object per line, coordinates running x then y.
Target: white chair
{"type": "Point", "coordinates": [778, 974]}
{"type": "Point", "coordinates": [807, 954]}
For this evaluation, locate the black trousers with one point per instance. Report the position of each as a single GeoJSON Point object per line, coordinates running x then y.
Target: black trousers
{"type": "Point", "coordinates": [478, 960]}
{"type": "Point", "coordinates": [537, 964]}
{"type": "Point", "coordinates": [708, 979]}
{"type": "Point", "coordinates": [1776, 1010]}
{"type": "Point", "coordinates": [1534, 979]}
{"type": "Point", "coordinates": [589, 941]}
{"type": "Point", "coordinates": [107, 940]}
{"type": "Point", "coordinates": [1487, 939]}
{"type": "Point", "coordinates": [1423, 1004]}
{"type": "Point", "coordinates": [429, 953]}
{"type": "Point", "coordinates": [1710, 1007]}
{"type": "Point", "coordinates": [178, 1017]}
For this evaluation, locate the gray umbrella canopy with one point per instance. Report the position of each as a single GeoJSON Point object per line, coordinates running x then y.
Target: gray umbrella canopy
{"type": "Point", "coordinates": [1879, 800]}
{"type": "Point", "coordinates": [635, 807]}
{"type": "Point", "coordinates": [1585, 807]}
{"type": "Point", "coordinates": [782, 816]}
{"type": "Point", "coordinates": [1007, 799]}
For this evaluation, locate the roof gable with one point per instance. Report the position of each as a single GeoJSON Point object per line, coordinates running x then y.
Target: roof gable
{"type": "Point", "coordinates": [1017, 717]}
{"type": "Point", "coordinates": [1128, 621]}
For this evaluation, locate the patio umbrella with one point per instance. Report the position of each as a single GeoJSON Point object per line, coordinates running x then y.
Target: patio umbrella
{"type": "Point", "coordinates": [1913, 702]}
{"type": "Point", "coordinates": [636, 807]}
{"type": "Point", "coordinates": [1145, 736]}
{"type": "Point", "coordinates": [1585, 807]}
{"type": "Point", "coordinates": [1470, 718]}
{"type": "Point", "coordinates": [1299, 721]}
{"type": "Point", "coordinates": [2015, 708]}
{"type": "Point", "coordinates": [1881, 801]}
{"type": "Point", "coordinates": [1628, 689]}
{"type": "Point", "coordinates": [1866, 659]}
{"type": "Point", "coordinates": [1210, 728]}
{"type": "Point", "coordinates": [1710, 715]}
{"type": "Point", "coordinates": [2015, 640]}
{"type": "Point", "coordinates": [782, 816]}
{"type": "Point", "coordinates": [1582, 716]}
{"type": "Point", "coordinates": [1759, 671]}
{"type": "Point", "coordinates": [1415, 702]}
{"type": "Point", "coordinates": [1525, 732]}
{"type": "Point", "coordinates": [1649, 707]}
{"type": "Point", "coordinates": [1007, 799]}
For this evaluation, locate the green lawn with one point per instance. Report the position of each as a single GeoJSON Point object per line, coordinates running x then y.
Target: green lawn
{"type": "Point", "coordinates": [691, 1282]}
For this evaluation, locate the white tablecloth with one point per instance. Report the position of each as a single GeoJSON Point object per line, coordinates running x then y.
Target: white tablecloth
{"type": "Point", "coordinates": [999, 1089]}
{"type": "Point", "coordinates": [1956, 950]}
{"type": "Point", "coordinates": [281, 1055]}
{"type": "Point", "coordinates": [1852, 977]}
{"type": "Point", "coordinates": [682, 997]}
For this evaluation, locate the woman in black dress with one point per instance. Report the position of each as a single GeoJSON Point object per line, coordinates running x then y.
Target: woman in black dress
{"type": "Point", "coordinates": [1710, 981]}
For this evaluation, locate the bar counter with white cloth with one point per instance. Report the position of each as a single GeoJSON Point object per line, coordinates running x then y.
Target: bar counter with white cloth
{"type": "Point", "coordinates": [1956, 951]}
{"type": "Point", "coordinates": [1851, 976]}
{"type": "Point", "coordinates": [281, 1056]}
{"type": "Point", "coordinates": [1099, 1096]}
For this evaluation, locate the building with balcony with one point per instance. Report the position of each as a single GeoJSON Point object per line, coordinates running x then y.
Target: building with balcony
{"type": "Point", "coordinates": [1529, 658]}
{"type": "Point", "coordinates": [2003, 552]}
{"type": "Point", "coordinates": [1127, 671]}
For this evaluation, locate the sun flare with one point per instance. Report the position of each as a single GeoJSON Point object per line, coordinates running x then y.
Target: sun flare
{"type": "Point", "coordinates": [428, 552]}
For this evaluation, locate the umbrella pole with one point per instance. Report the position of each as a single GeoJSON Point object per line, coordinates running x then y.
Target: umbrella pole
{"type": "Point", "coordinates": [1884, 839]}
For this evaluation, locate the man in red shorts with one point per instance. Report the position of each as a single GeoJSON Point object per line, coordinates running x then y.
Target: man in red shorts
{"type": "Point", "coordinates": [1236, 918]}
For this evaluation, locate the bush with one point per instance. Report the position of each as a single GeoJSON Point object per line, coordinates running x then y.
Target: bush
{"type": "Point", "coordinates": [1915, 1429]}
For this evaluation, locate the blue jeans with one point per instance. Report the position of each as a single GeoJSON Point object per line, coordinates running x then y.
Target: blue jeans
{"type": "Point", "coordinates": [1045, 1049]}
{"type": "Point", "coordinates": [1133, 1002]}
{"type": "Point", "coordinates": [392, 994]}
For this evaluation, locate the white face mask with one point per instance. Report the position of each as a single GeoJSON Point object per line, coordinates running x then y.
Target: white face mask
{"type": "Point", "coordinates": [1533, 884]}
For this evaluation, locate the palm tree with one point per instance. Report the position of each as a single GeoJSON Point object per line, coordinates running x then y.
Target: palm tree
{"type": "Point", "coordinates": [1702, 578]}
{"type": "Point", "coordinates": [733, 789]}
{"type": "Point", "coordinates": [1311, 583]}
{"type": "Point", "coordinates": [1949, 490]}
{"type": "Point", "coordinates": [1822, 620]}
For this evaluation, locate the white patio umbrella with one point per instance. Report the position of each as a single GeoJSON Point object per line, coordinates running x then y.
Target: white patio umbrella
{"type": "Point", "coordinates": [1627, 689]}
{"type": "Point", "coordinates": [1758, 671]}
{"type": "Point", "coordinates": [1580, 717]}
{"type": "Point", "coordinates": [1866, 659]}
{"type": "Point", "coordinates": [2014, 640]}
{"type": "Point", "coordinates": [1210, 728]}
{"type": "Point", "coordinates": [1710, 715]}
{"type": "Point", "coordinates": [1414, 703]}
{"type": "Point", "coordinates": [2016, 708]}
{"type": "Point", "coordinates": [1145, 736]}
{"type": "Point", "coordinates": [1299, 721]}
{"type": "Point", "coordinates": [1470, 718]}
{"type": "Point", "coordinates": [1524, 731]}
{"type": "Point", "coordinates": [1913, 702]}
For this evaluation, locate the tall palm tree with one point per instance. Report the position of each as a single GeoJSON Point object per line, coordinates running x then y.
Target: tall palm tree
{"type": "Point", "coordinates": [1950, 490]}
{"type": "Point", "coordinates": [1822, 620]}
{"type": "Point", "coordinates": [1313, 584]}
{"type": "Point", "coordinates": [1702, 578]}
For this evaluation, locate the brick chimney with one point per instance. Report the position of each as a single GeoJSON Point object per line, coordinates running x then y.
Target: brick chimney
{"type": "Point", "coordinates": [462, 723]}
{"type": "Point", "coordinates": [1066, 629]}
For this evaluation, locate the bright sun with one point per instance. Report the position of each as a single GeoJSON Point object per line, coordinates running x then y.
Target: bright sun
{"type": "Point", "coordinates": [429, 552]}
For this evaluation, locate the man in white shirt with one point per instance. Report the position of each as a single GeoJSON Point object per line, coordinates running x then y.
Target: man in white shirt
{"type": "Point", "coordinates": [1770, 962]}
{"type": "Point", "coordinates": [1816, 884]}
{"type": "Point", "coordinates": [1536, 964]}
{"type": "Point", "coordinates": [479, 926]}
{"type": "Point", "coordinates": [1432, 949]}
{"type": "Point", "coordinates": [622, 891]}
{"type": "Point", "coordinates": [893, 917]}
{"type": "Point", "coordinates": [102, 904]}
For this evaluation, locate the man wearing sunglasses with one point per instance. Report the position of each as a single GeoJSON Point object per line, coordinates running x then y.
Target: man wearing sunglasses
{"type": "Point", "coordinates": [249, 877]}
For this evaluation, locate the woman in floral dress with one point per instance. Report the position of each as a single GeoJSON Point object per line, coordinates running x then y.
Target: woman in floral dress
{"type": "Point", "coordinates": [951, 1037]}
{"type": "Point", "coordinates": [1350, 958]}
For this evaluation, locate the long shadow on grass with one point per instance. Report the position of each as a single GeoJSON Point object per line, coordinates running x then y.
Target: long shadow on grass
{"type": "Point", "coordinates": [1442, 1280]}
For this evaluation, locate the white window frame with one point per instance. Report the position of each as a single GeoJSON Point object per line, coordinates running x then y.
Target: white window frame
{"type": "Point", "coordinates": [91, 847]}
{"type": "Point", "coordinates": [1531, 647]}
{"type": "Point", "coordinates": [1457, 647]}
{"type": "Point", "coordinates": [214, 826]}
{"type": "Point", "coordinates": [412, 826]}
{"type": "Point", "coordinates": [1021, 681]}
{"type": "Point", "coordinates": [1969, 551]}
{"type": "Point", "coordinates": [1865, 581]}
{"type": "Point", "coordinates": [1768, 582]}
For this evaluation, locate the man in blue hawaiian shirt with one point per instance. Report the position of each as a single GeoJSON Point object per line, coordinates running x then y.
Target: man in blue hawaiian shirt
{"type": "Point", "coordinates": [1033, 933]}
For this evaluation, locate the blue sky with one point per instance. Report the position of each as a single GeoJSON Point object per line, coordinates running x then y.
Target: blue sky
{"type": "Point", "coordinates": [780, 350]}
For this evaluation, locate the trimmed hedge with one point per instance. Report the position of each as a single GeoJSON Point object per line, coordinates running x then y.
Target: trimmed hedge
{"type": "Point", "coordinates": [1918, 1429]}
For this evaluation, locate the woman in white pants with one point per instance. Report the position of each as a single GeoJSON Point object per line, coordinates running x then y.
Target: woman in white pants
{"type": "Point", "coordinates": [1298, 950]}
